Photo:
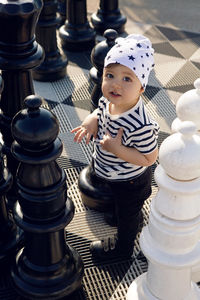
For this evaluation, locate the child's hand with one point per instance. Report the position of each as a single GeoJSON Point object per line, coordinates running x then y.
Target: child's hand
{"type": "Point", "coordinates": [88, 128]}
{"type": "Point", "coordinates": [111, 144]}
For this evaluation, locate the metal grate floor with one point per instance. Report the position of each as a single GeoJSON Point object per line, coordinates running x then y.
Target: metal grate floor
{"type": "Point", "coordinates": [177, 66]}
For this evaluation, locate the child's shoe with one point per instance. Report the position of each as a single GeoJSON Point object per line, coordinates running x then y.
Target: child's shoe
{"type": "Point", "coordinates": [108, 248]}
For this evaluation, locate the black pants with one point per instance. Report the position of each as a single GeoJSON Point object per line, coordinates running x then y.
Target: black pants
{"type": "Point", "coordinates": [129, 197]}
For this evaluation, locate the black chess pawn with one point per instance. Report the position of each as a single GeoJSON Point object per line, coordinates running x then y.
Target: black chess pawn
{"type": "Point", "coordinates": [47, 267]}
{"type": "Point", "coordinates": [77, 34]}
{"type": "Point", "coordinates": [54, 65]}
{"type": "Point", "coordinates": [11, 236]}
{"type": "Point", "coordinates": [98, 55]}
{"type": "Point", "coordinates": [108, 16]}
{"type": "Point", "coordinates": [62, 12]}
{"type": "Point", "coordinates": [19, 54]}
{"type": "Point", "coordinates": [94, 194]}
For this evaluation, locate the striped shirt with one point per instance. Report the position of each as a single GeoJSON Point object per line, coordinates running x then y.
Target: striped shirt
{"type": "Point", "coordinates": [139, 131]}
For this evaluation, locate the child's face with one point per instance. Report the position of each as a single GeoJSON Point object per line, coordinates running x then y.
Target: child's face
{"type": "Point", "coordinates": [121, 86]}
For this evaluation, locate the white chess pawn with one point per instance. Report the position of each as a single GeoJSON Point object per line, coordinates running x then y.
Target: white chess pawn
{"type": "Point", "coordinates": [188, 109]}
{"type": "Point", "coordinates": [171, 239]}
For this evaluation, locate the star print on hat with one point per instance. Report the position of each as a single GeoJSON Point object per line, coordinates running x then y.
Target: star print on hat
{"type": "Point", "coordinates": [135, 52]}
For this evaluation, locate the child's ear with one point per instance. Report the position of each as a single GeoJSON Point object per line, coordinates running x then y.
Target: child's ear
{"type": "Point", "coordinates": [141, 90]}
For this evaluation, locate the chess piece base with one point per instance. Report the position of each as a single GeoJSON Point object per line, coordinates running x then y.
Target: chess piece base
{"type": "Point", "coordinates": [138, 290]}
{"type": "Point", "coordinates": [94, 194]}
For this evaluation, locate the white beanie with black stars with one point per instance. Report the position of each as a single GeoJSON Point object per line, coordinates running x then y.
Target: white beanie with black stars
{"type": "Point", "coordinates": [135, 52]}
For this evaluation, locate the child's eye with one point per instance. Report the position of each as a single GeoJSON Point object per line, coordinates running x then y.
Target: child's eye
{"type": "Point", "coordinates": [127, 78]}
{"type": "Point", "coordinates": [109, 75]}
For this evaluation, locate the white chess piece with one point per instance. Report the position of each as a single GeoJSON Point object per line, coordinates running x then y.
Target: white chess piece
{"type": "Point", "coordinates": [188, 109]}
{"type": "Point", "coordinates": [171, 239]}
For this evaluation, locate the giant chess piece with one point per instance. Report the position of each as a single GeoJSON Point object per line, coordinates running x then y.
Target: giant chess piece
{"type": "Point", "coordinates": [188, 109]}
{"type": "Point", "coordinates": [171, 239]}
{"type": "Point", "coordinates": [77, 34]}
{"type": "Point", "coordinates": [11, 236]}
{"type": "Point", "coordinates": [98, 55]}
{"type": "Point", "coordinates": [62, 12]}
{"type": "Point", "coordinates": [19, 53]}
{"type": "Point", "coordinates": [54, 65]}
{"type": "Point", "coordinates": [95, 195]}
{"type": "Point", "coordinates": [108, 16]}
{"type": "Point", "coordinates": [47, 267]}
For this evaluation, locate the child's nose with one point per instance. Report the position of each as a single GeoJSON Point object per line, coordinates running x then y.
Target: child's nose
{"type": "Point", "coordinates": [116, 82]}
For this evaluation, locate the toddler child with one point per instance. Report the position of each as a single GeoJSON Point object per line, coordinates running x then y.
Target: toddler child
{"type": "Point", "coordinates": [125, 139]}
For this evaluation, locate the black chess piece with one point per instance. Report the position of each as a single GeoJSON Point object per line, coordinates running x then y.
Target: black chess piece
{"type": "Point", "coordinates": [94, 193]}
{"type": "Point", "coordinates": [47, 267]}
{"type": "Point", "coordinates": [11, 236]}
{"type": "Point", "coordinates": [54, 65]}
{"type": "Point", "coordinates": [19, 54]}
{"type": "Point", "coordinates": [77, 34]}
{"type": "Point", "coordinates": [62, 12]}
{"type": "Point", "coordinates": [108, 16]}
{"type": "Point", "coordinates": [98, 55]}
